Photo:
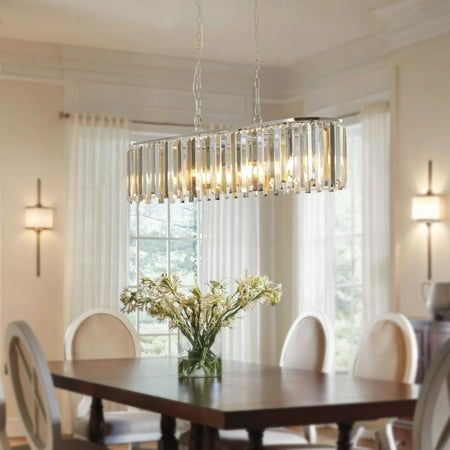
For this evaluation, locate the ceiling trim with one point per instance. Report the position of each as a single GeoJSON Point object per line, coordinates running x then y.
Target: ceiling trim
{"type": "Point", "coordinates": [407, 22]}
{"type": "Point", "coordinates": [52, 62]}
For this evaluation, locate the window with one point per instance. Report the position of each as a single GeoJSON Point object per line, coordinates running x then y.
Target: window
{"type": "Point", "coordinates": [163, 239]}
{"type": "Point", "coordinates": [348, 254]}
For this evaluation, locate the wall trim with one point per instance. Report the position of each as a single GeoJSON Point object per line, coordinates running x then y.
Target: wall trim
{"type": "Point", "coordinates": [407, 22]}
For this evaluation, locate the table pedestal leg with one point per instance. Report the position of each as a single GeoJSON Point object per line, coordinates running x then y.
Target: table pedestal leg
{"type": "Point", "coordinates": [96, 430]}
{"type": "Point", "coordinates": [210, 437]}
{"type": "Point", "coordinates": [168, 440]}
{"type": "Point", "coordinates": [195, 437]}
{"type": "Point", "coordinates": [345, 436]}
{"type": "Point", "coordinates": [255, 439]}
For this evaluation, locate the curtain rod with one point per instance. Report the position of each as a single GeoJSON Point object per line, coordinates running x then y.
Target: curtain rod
{"type": "Point", "coordinates": [350, 115]}
{"type": "Point", "coordinates": [65, 115]}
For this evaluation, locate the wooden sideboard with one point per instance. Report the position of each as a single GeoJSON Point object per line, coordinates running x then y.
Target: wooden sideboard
{"type": "Point", "coordinates": [431, 335]}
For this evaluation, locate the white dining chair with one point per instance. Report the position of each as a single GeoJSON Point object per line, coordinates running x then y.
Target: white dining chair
{"type": "Point", "coordinates": [106, 334]}
{"type": "Point", "coordinates": [387, 352]}
{"type": "Point", "coordinates": [34, 392]}
{"type": "Point", "coordinates": [431, 430]}
{"type": "Point", "coordinates": [309, 345]}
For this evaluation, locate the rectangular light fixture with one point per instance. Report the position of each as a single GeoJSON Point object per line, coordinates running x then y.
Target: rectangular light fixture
{"type": "Point", "coordinates": [38, 218]}
{"type": "Point", "coordinates": [427, 208]}
{"type": "Point", "coordinates": [291, 155]}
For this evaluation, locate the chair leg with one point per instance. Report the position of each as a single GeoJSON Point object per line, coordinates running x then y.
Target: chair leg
{"type": "Point", "coordinates": [310, 434]}
{"type": "Point", "coordinates": [386, 439]}
{"type": "Point", "coordinates": [356, 434]}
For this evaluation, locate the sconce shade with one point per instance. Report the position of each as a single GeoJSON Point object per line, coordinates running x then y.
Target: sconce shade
{"type": "Point", "coordinates": [38, 218]}
{"type": "Point", "coordinates": [427, 208]}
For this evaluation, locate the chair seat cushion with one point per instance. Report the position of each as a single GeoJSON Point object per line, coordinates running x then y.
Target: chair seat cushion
{"type": "Point", "coordinates": [124, 427]}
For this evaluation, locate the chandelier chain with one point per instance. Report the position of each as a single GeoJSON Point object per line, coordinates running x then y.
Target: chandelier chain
{"type": "Point", "coordinates": [257, 118]}
{"type": "Point", "coordinates": [197, 83]}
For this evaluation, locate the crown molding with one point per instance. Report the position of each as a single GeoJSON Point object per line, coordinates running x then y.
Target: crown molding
{"type": "Point", "coordinates": [338, 60]}
{"type": "Point", "coordinates": [407, 22]}
{"type": "Point", "coordinates": [52, 63]}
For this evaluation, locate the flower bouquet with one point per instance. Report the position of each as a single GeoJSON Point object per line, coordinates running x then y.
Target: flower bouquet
{"type": "Point", "coordinates": [199, 316]}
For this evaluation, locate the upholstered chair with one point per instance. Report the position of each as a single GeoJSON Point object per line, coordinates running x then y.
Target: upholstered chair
{"type": "Point", "coordinates": [388, 351]}
{"type": "Point", "coordinates": [34, 393]}
{"type": "Point", "coordinates": [107, 334]}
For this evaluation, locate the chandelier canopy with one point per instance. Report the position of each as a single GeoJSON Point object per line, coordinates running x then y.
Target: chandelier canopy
{"type": "Point", "coordinates": [290, 155]}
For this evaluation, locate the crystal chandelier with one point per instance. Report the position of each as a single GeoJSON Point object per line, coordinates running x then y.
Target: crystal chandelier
{"type": "Point", "coordinates": [290, 155]}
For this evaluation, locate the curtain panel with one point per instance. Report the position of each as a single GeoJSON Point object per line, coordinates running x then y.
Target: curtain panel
{"type": "Point", "coordinates": [97, 212]}
{"type": "Point", "coordinates": [377, 266]}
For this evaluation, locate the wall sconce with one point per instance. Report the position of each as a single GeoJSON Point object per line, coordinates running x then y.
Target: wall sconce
{"type": "Point", "coordinates": [428, 208]}
{"type": "Point", "coordinates": [38, 218]}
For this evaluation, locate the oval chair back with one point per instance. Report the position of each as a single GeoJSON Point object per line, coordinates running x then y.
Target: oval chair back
{"type": "Point", "coordinates": [309, 344]}
{"type": "Point", "coordinates": [101, 334]}
{"type": "Point", "coordinates": [33, 388]}
{"type": "Point", "coordinates": [388, 351]}
{"type": "Point", "coordinates": [432, 417]}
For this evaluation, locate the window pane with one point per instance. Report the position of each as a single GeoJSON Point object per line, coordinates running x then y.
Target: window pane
{"type": "Point", "coordinates": [133, 219]}
{"type": "Point", "coordinates": [154, 345]}
{"type": "Point", "coordinates": [343, 210]}
{"type": "Point", "coordinates": [152, 257]}
{"type": "Point", "coordinates": [343, 272]}
{"type": "Point", "coordinates": [357, 260]}
{"type": "Point", "coordinates": [174, 345]}
{"type": "Point", "coordinates": [132, 317]}
{"type": "Point", "coordinates": [132, 263]}
{"type": "Point", "coordinates": [183, 261]}
{"type": "Point", "coordinates": [345, 327]}
{"type": "Point", "coordinates": [149, 325]}
{"type": "Point", "coordinates": [183, 220]}
{"type": "Point", "coordinates": [153, 219]}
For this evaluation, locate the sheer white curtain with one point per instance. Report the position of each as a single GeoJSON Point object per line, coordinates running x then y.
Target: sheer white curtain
{"type": "Point", "coordinates": [304, 256]}
{"type": "Point", "coordinates": [285, 237]}
{"type": "Point", "coordinates": [292, 239]}
{"type": "Point", "coordinates": [230, 245]}
{"type": "Point", "coordinates": [97, 212]}
{"type": "Point", "coordinates": [376, 210]}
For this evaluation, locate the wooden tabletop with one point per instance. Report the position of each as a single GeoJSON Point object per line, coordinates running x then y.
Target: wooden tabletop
{"type": "Point", "coordinates": [248, 396]}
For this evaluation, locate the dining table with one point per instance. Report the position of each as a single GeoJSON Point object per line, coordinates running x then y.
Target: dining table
{"type": "Point", "coordinates": [247, 396]}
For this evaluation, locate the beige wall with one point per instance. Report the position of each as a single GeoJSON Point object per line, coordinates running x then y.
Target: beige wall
{"type": "Point", "coordinates": [31, 146]}
{"type": "Point", "coordinates": [274, 111]}
{"type": "Point", "coordinates": [422, 132]}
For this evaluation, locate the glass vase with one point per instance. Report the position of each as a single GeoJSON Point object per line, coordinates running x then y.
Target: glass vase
{"type": "Point", "coordinates": [197, 361]}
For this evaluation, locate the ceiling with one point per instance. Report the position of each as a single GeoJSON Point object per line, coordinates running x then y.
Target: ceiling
{"type": "Point", "coordinates": [290, 29]}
